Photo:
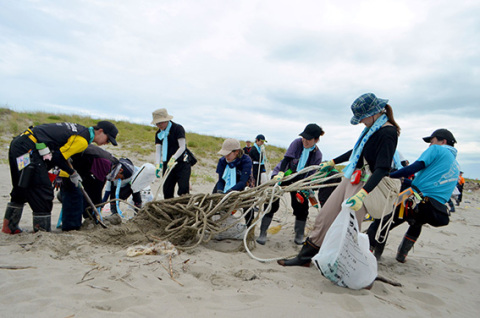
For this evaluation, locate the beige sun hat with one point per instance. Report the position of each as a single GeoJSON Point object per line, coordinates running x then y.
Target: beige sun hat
{"type": "Point", "coordinates": [228, 146]}
{"type": "Point", "coordinates": [160, 115]}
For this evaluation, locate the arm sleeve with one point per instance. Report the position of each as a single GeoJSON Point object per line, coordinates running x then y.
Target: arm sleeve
{"type": "Point", "coordinates": [343, 158]}
{"type": "Point", "coordinates": [181, 148]}
{"type": "Point", "coordinates": [284, 163]}
{"type": "Point", "coordinates": [75, 144]}
{"type": "Point", "coordinates": [408, 170]}
{"type": "Point", "coordinates": [158, 153]}
{"type": "Point", "coordinates": [220, 169]}
{"type": "Point", "coordinates": [245, 174]}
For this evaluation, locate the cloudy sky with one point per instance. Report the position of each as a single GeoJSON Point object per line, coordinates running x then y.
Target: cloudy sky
{"type": "Point", "coordinates": [239, 68]}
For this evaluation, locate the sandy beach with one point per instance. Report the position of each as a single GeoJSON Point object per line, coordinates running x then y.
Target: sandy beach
{"type": "Point", "coordinates": [70, 275]}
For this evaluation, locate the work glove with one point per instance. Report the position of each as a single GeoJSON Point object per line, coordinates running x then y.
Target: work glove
{"type": "Point", "coordinates": [356, 201]}
{"type": "Point", "coordinates": [326, 166]}
{"type": "Point", "coordinates": [279, 176]}
{"type": "Point", "coordinates": [75, 178]}
{"type": "Point", "coordinates": [158, 172]}
{"type": "Point", "coordinates": [170, 163]}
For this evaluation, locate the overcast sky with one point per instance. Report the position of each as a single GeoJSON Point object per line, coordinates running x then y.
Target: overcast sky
{"type": "Point", "coordinates": [239, 68]}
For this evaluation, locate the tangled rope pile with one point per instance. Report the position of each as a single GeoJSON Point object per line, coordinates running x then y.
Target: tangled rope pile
{"type": "Point", "coordinates": [187, 221]}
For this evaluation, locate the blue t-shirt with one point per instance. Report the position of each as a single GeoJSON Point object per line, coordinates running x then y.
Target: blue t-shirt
{"type": "Point", "coordinates": [440, 176]}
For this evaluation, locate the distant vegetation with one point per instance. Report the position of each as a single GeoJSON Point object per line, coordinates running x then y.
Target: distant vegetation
{"type": "Point", "coordinates": [132, 138]}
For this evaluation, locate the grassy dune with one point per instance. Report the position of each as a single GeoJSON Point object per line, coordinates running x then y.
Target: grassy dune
{"type": "Point", "coordinates": [134, 139]}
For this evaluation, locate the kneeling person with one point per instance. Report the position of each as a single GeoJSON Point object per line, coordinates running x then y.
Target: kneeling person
{"type": "Point", "coordinates": [122, 174]}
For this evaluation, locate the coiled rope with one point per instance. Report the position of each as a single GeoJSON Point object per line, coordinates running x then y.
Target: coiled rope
{"type": "Point", "coordinates": [187, 221]}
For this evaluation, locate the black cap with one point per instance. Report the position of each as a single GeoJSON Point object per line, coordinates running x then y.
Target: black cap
{"type": "Point", "coordinates": [441, 134]}
{"type": "Point", "coordinates": [110, 130]}
{"type": "Point", "coordinates": [312, 131]}
{"type": "Point", "coordinates": [125, 164]}
{"type": "Point", "coordinates": [260, 137]}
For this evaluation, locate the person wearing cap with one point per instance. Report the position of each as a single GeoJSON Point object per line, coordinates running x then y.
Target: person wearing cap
{"type": "Point", "coordinates": [33, 153]}
{"type": "Point", "coordinates": [436, 174]}
{"type": "Point", "coordinates": [121, 174]}
{"type": "Point", "coordinates": [302, 152]}
{"type": "Point", "coordinates": [257, 154]}
{"type": "Point", "coordinates": [93, 166]}
{"type": "Point", "coordinates": [234, 169]}
{"type": "Point", "coordinates": [375, 148]}
{"type": "Point", "coordinates": [248, 147]}
{"type": "Point", "coordinates": [170, 148]}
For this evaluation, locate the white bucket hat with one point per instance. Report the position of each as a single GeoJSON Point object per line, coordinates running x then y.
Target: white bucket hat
{"type": "Point", "coordinates": [160, 115]}
{"type": "Point", "coordinates": [228, 146]}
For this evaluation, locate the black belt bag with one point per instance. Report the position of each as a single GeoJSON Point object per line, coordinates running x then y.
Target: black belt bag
{"type": "Point", "coordinates": [439, 207]}
{"type": "Point", "coordinates": [189, 157]}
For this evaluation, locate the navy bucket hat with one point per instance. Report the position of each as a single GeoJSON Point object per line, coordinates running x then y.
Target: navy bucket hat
{"type": "Point", "coordinates": [365, 106]}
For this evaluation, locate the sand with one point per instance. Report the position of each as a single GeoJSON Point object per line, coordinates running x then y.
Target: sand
{"type": "Point", "coordinates": [70, 275]}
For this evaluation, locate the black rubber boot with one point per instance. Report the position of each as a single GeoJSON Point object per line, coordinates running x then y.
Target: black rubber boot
{"type": "Point", "coordinates": [406, 245]}
{"type": "Point", "coordinates": [266, 221]}
{"type": "Point", "coordinates": [13, 214]}
{"type": "Point", "coordinates": [451, 205]}
{"type": "Point", "coordinates": [299, 231]}
{"type": "Point", "coordinates": [378, 250]}
{"type": "Point", "coordinates": [303, 258]}
{"type": "Point", "coordinates": [42, 223]}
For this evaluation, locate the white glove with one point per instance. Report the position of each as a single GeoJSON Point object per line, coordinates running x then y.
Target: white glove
{"type": "Point", "coordinates": [75, 178]}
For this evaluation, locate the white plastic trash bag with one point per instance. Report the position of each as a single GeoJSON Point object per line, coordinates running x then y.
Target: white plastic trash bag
{"type": "Point", "coordinates": [344, 257]}
{"type": "Point", "coordinates": [263, 178]}
{"type": "Point", "coordinates": [235, 232]}
{"type": "Point", "coordinates": [143, 177]}
{"type": "Point", "coordinates": [456, 192]}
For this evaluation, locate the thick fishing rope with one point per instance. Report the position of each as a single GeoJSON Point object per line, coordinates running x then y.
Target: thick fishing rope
{"type": "Point", "coordinates": [187, 220]}
{"type": "Point", "coordinates": [310, 182]}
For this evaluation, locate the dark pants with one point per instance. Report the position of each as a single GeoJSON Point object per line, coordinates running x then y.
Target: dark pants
{"type": "Point", "coordinates": [39, 191]}
{"type": "Point", "coordinates": [300, 210]}
{"type": "Point", "coordinates": [426, 212]}
{"type": "Point", "coordinates": [72, 206]}
{"type": "Point", "coordinates": [460, 189]}
{"type": "Point", "coordinates": [179, 175]}
{"type": "Point", "coordinates": [325, 192]}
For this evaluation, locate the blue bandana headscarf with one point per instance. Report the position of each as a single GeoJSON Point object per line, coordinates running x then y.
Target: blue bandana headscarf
{"type": "Point", "coordinates": [357, 150]}
{"type": "Point", "coordinates": [162, 135]}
